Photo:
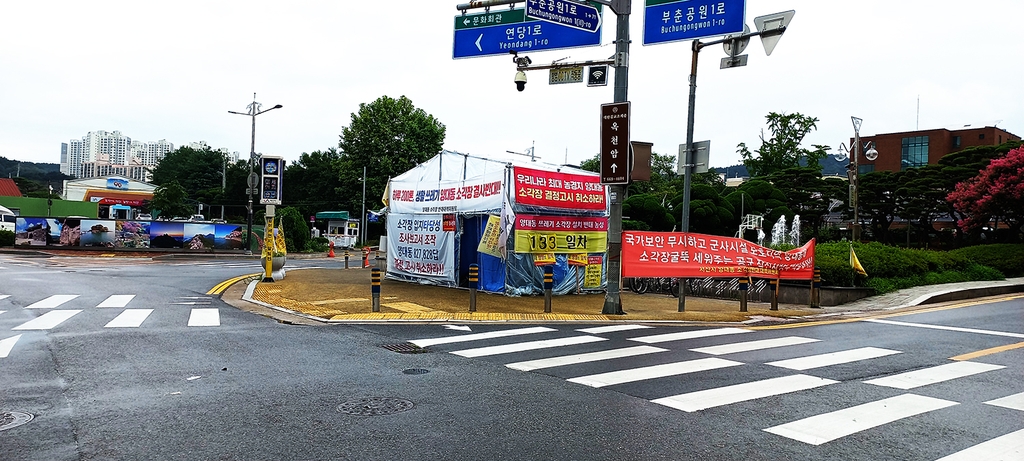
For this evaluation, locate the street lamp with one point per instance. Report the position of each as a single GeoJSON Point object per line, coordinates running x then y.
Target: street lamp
{"type": "Point", "coordinates": [254, 110]}
{"type": "Point", "coordinates": [853, 171]}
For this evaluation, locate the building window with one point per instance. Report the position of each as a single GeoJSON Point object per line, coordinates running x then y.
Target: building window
{"type": "Point", "coordinates": [915, 152]}
{"type": "Point", "coordinates": [865, 169]}
{"type": "Point", "coordinates": [981, 136]}
{"type": "Point", "coordinates": [956, 142]}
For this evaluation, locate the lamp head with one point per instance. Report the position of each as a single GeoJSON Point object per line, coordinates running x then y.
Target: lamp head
{"type": "Point", "coordinates": [871, 154]}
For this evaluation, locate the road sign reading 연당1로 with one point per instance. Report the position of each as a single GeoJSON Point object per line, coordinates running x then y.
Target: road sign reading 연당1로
{"type": "Point", "coordinates": [564, 12]}
{"type": "Point", "coordinates": [615, 163]}
{"type": "Point", "coordinates": [499, 32]}
{"type": "Point", "coordinates": [673, 20]}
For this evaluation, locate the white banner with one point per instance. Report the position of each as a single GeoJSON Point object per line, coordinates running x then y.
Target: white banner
{"type": "Point", "coordinates": [479, 193]}
{"type": "Point", "coordinates": [419, 247]}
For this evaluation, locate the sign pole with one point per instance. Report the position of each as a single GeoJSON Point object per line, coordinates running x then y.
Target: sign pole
{"type": "Point", "coordinates": [612, 299]}
{"type": "Point", "coordinates": [684, 223]}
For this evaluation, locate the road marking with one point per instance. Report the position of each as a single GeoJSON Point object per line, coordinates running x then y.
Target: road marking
{"type": "Point", "coordinates": [874, 317]}
{"type": "Point", "coordinates": [688, 335]}
{"type": "Point", "coordinates": [47, 320]}
{"type": "Point", "coordinates": [129, 318]}
{"type": "Point", "coordinates": [51, 302]}
{"type": "Point", "coordinates": [754, 345]}
{"type": "Point", "coordinates": [405, 306]}
{"type": "Point", "coordinates": [700, 400]}
{"type": "Point", "coordinates": [479, 336]}
{"type": "Point", "coordinates": [584, 358]}
{"type": "Point", "coordinates": [1009, 447]}
{"type": "Point", "coordinates": [222, 286]}
{"type": "Point", "coordinates": [527, 346]}
{"type": "Point", "coordinates": [932, 375]}
{"type": "Point", "coordinates": [989, 351]}
{"type": "Point", "coordinates": [826, 427]}
{"type": "Point", "coordinates": [834, 358]}
{"type": "Point", "coordinates": [204, 318]}
{"type": "Point", "coordinates": [5, 296]}
{"type": "Point", "coordinates": [1013, 402]}
{"type": "Point", "coordinates": [1, 312]}
{"type": "Point", "coordinates": [7, 344]}
{"type": "Point", "coordinates": [116, 301]}
{"type": "Point", "coordinates": [941, 327]}
{"type": "Point", "coordinates": [651, 372]}
{"type": "Point", "coordinates": [611, 328]}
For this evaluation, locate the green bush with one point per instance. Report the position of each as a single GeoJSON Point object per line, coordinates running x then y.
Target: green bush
{"type": "Point", "coordinates": [318, 245]}
{"type": "Point", "coordinates": [1006, 257]}
{"type": "Point", "coordinates": [892, 268]}
{"type": "Point", "coordinates": [6, 238]}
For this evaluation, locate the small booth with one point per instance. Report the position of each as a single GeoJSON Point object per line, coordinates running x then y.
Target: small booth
{"type": "Point", "coordinates": [341, 230]}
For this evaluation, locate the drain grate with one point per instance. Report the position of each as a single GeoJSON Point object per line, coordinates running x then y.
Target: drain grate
{"type": "Point", "coordinates": [405, 348]}
{"type": "Point", "coordinates": [13, 419]}
{"type": "Point", "coordinates": [375, 406]}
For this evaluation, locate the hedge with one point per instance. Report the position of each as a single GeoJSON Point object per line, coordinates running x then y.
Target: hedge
{"type": "Point", "coordinates": [1008, 258]}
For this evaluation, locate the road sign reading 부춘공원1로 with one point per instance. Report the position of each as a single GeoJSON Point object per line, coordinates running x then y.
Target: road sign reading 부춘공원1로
{"type": "Point", "coordinates": [499, 32]}
{"type": "Point", "coordinates": [673, 20]}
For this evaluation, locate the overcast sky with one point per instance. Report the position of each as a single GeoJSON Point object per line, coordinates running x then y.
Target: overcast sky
{"type": "Point", "coordinates": [173, 70]}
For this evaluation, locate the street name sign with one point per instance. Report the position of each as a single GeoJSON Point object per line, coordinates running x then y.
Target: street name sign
{"type": "Point", "coordinates": [674, 20]}
{"type": "Point", "coordinates": [564, 12]}
{"type": "Point", "coordinates": [615, 163]}
{"type": "Point", "coordinates": [500, 32]}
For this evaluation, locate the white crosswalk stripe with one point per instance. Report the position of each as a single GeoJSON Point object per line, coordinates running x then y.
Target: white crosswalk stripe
{"type": "Point", "coordinates": [5, 296]}
{"type": "Point", "coordinates": [204, 318]}
{"type": "Point", "coordinates": [1013, 402]}
{"type": "Point", "coordinates": [116, 301]}
{"type": "Point", "coordinates": [689, 335]}
{"type": "Point", "coordinates": [655, 371]}
{"type": "Point", "coordinates": [527, 346]}
{"type": "Point", "coordinates": [833, 358]}
{"type": "Point", "coordinates": [479, 336]}
{"type": "Point", "coordinates": [7, 344]}
{"type": "Point", "coordinates": [48, 320]}
{"type": "Point", "coordinates": [129, 318]}
{"type": "Point", "coordinates": [826, 427]}
{"type": "Point", "coordinates": [584, 358]}
{"type": "Point", "coordinates": [1009, 447]}
{"type": "Point", "coordinates": [754, 345]}
{"type": "Point", "coordinates": [710, 398]}
{"type": "Point", "coordinates": [924, 377]}
{"type": "Point", "coordinates": [51, 302]}
{"type": "Point", "coordinates": [611, 329]}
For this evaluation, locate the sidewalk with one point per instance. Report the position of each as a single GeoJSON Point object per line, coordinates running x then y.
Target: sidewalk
{"type": "Point", "coordinates": [343, 296]}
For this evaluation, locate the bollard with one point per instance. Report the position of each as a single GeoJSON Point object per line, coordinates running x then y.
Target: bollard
{"type": "Point", "coordinates": [473, 279]}
{"type": "Point", "coordinates": [375, 288]}
{"type": "Point", "coordinates": [816, 288]}
{"type": "Point", "coordinates": [744, 286]}
{"type": "Point", "coordinates": [549, 283]}
{"type": "Point", "coordinates": [330, 254]}
{"type": "Point", "coordinates": [346, 259]}
{"type": "Point", "coordinates": [774, 284]}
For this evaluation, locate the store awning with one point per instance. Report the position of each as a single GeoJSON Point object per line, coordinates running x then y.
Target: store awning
{"type": "Point", "coordinates": [103, 197]}
{"type": "Point", "coordinates": [332, 215]}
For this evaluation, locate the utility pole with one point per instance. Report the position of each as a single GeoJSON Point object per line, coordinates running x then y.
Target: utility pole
{"type": "Point", "coordinates": [612, 298]}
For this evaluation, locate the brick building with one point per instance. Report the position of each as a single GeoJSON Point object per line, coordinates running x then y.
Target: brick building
{"type": "Point", "coordinates": [899, 151]}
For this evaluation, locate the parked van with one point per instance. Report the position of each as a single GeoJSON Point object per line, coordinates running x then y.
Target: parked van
{"type": "Point", "coordinates": [7, 219]}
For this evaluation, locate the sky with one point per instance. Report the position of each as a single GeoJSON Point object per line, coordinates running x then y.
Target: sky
{"type": "Point", "coordinates": [173, 70]}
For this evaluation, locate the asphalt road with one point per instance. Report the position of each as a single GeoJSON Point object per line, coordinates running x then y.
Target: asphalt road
{"type": "Point", "coordinates": [195, 378]}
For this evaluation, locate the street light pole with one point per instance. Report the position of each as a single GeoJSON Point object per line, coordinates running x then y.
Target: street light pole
{"type": "Point", "coordinates": [855, 179]}
{"type": "Point", "coordinates": [254, 110]}
{"type": "Point", "coordinates": [613, 299]}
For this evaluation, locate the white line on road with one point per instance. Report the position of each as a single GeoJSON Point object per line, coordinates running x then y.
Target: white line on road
{"type": "Point", "coordinates": [754, 345]}
{"type": "Point", "coordinates": [129, 318]}
{"type": "Point", "coordinates": [688, 335]}
{"type": "Point", "coordinates": [192, 303]}
{"type": "Point", "coordinates": [204, 318]}
{"type": "Point", "coordinates": [611, 328]}
{"type": "Point", "coordinates": [1009, 447]}
{"type": "Point", "coordinates": [932, 375]}
{"type": "Point", "coordinates": [51, 302]}
{"type": "Point", "coordinates": [826, 427]}
{"type": "Point", "coordinates": [1013, 402]}
{"type": "Point", "coordinates": [584, 358]}
{"type": "Point", "coordinates": [527, 346]}
{"type": "Point", "coordinates": [47, 320]}
{"type": "Point", "coordinates": [710, 398]}
{"type": "Point", "coordinates": [116, 301]}
{"type": "Point", "coordinates": [5, 296]}
{"type": "Point", "coordinates": [478, 336]}
{"type": "Point", "coordinates": [833, 358]}
{"type": "Point", "coordinates": [941, 327]}
{"type": "Point", "coordinates": [7, 344]}
{"type": "Point", "coordinates": [651, 372]}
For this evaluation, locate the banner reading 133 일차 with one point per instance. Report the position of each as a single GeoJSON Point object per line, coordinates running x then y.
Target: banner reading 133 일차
{"type": "Point", "coordinates": [558, 190]}
{"type": "Point", "coordinates": [680, 254]}
{"type": "Point", "coordinates": [560, 234]}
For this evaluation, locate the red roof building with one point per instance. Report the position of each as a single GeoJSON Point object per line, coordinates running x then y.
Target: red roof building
{"type": "Point", "coordinates": [9, 188]}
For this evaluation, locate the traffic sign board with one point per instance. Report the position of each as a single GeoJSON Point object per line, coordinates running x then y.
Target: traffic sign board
{"type": "Point", "coordinates": [566, 13]}
{"type": "Point", "coordinates": [615, 164]}
{"type": "Point", "coordinates": [674, 20]}
{"type": "Point", "coordinates": [488, 34]}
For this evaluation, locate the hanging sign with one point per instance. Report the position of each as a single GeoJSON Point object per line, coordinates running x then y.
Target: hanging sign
{"type": "Point", "coordinates": [682, 254]}
{"type": "Point", "coordinates": [558, 190]}
{"type": "Point", "coordinates": [560, 234]}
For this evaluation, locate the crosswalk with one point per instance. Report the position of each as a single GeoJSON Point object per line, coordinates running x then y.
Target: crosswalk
{"type": "Point", "coordinates": [594, 350]}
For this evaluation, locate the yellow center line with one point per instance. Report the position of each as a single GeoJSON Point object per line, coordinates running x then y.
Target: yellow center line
{"type": "Point", "coordinates": [220, 287]}
{"type": "Point", "coordinates": [879, 316]}
{"type": "Point", "coordinates": [989, 351]}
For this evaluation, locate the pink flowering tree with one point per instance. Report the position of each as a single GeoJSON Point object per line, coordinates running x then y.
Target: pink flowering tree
{"type": "Point", "coordinates": [997, 192]}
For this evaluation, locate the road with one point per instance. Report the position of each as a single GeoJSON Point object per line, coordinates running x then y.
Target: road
{"type": "Point", "coordinates": [183, 375]}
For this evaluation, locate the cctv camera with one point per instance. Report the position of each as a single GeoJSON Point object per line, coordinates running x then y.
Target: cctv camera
{"type": "Point", "coordinates": [520, 80]}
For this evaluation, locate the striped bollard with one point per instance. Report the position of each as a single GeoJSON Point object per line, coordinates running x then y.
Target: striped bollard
{"type": "Point", "coordinates": [549, 283]}
{"type": "Point", "coordinates": [346, 259]}
{"type": "Point", "coordinates": [375, 288]}
{"type": "Point", "coordinates": [473, 279]}
{"type": "Point", "coordinates": [744, 286]}
{"type": "Point", "coordinates": [774, 284]}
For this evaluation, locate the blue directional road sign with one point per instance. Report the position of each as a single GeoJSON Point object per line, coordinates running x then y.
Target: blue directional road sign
{"type": "Point", "coordinates": [566, 13]}
{"type": "Point", "coordinates": [488, 34]}
{"type": "Point", "coordinates": [674, 20]}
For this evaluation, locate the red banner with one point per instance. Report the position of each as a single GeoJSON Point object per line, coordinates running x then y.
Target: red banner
{"type": "Point", "coordinates": [558, 190]}
{"type": "Point", "coordinates": [679, 254]}
{"type": "Point", "coordinates": [560, 223]}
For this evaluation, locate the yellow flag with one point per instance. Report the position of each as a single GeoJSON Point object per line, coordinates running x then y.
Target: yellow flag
{"type": "Point", "coordinates": [856, 263]}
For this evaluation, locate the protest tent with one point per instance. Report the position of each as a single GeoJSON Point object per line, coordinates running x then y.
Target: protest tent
{"type": "Point", "coordinates": [509, 218]}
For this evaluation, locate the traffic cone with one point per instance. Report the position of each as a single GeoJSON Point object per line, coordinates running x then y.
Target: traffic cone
{"type": "Point", "coordinates": [366, 257]}
{"type": "Point", "coordinates": [330, 254]}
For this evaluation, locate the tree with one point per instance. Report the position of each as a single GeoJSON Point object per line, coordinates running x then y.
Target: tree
{"type": "Point", "coordinates": [311, 184]}
{"type": "Point", "coordinates": [389, 137]}
{"type": "Point", "coordinates": [878, 201]}
{"type": "Point", "coordinates": [170, 199]}
{"type": "Point", "coordinates": [807, 194]}
{"type": "Point", "coordinates": [197, 171]}
{"type": "Point", "coordinates": [996, 192]}
{"type": "Point", "coordinates": [650, 209]}
{"type": "Point", "coordinates": [783, 149]}
{"type": "Point", "coordinates": [710, 213]}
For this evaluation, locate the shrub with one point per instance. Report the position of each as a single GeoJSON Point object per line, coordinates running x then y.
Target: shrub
{"type": "Point", "coordinates": [6, 238]}
{"type": "Point", "coordinates": [318, 245]}
{"type": "Point", "coordinates": [1004, 257]}
{"type": "Point", "coordinates": [891, 268]}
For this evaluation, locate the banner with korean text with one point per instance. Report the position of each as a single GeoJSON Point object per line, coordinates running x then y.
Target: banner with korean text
{"type": "Point", "coordinates": [418, 246]}
{"type": "Point", "coordinates": [558, 190]}
{"type": "Point", "coordinates": [679, 254]}
{"type": "Point", "coordinates": [447, 196]}
{"type": "Point", "coordinates": [560, 234]}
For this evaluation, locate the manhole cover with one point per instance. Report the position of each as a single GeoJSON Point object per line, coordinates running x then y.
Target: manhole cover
{"type": "Point", "coordinates": [415, 371]}
{"type": "Point", "coordinates": [404, 348]}
{"type": "Point", "coordinates": [12, 419]}
{"type": "Point", "coordinates": [375, 406]}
